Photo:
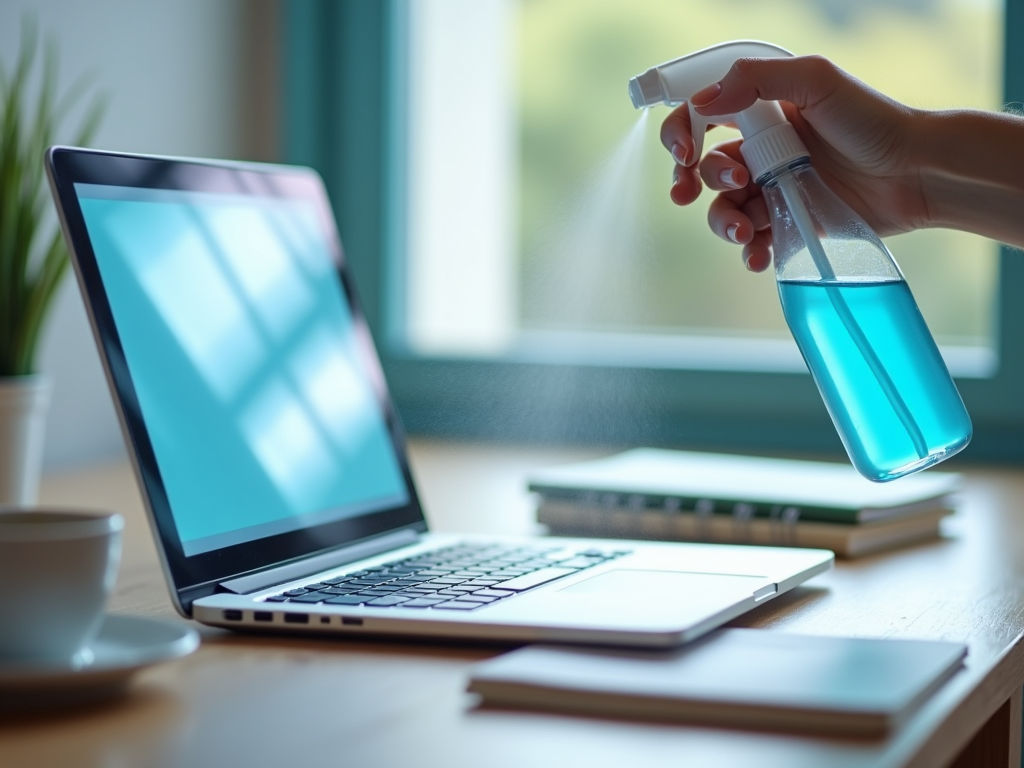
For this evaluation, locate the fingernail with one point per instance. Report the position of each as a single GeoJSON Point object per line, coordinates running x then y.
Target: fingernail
{"type": "Point", "coordinates": [731, 232]}
{"type": "Point", "coordinates": [705, 96]}
{"type": "Point", "coordinates": [747, 256]}
{"type": "Point", "coordinates": [680, 154]}
{"type": "Point", "coordinates": [728, 177]}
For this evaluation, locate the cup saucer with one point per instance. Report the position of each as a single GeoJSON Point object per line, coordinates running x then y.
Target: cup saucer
{"type": "Point", "coordinates": [124, 645]}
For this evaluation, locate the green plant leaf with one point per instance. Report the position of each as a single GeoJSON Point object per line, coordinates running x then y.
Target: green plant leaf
{"type": "Point", "coordinates": [32, 263]}
{"type": "Point", "coordinates": [55, 264]}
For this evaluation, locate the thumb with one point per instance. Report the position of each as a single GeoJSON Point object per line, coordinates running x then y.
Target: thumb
{"type": "Point", "coordinates": [803, 80]}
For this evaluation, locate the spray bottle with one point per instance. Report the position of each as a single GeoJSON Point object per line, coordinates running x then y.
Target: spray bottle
{"type": "Point", "coordinates": [847, 304]}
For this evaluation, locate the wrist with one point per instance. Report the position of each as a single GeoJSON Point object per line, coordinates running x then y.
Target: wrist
{"type": "Point", "coordinates": [971, 171]}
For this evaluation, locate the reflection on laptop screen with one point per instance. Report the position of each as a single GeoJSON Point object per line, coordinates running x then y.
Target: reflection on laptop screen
{"type": "Point", "coordinates": [239, 341]}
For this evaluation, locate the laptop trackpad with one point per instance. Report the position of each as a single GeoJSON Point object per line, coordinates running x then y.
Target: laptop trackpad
{"type": "Point", "coordinates": [624, 598]}
{"type": "Point", "coordinates": [635, 582]}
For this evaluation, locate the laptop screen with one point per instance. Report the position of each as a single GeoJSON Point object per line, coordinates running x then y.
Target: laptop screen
{"type": "Point", "coordinates": [239, 341]}
{"type": "Point", "coordinates": [251, 396]}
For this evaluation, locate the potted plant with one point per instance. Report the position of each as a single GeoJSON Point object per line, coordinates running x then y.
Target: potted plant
{"type": "Point", "coordinates": [33, 257]}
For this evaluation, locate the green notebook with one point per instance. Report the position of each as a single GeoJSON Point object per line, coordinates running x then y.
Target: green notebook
{"type": "Point", "coordinates": [744, 487]}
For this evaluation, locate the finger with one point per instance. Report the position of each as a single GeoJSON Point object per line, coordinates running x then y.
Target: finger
{"type": "Point", "coordinates": [721, 172]}
{"type": "Point", "coordinates": [802, 80]}
{"type": "Point", "coordinates": [677, 136]}
{"type": "Point", "coordinates": [756, 209]}
{"type": "Point", "coordinates": [752, 202]}
{"type": "Point", "coordinates": [730, 148]}
{"type": "Point", "coordinates": [686, 185]}
{"type": "Point", "coordinates": [757, 254]}
{"type": "Point", "coordinates": [728, 221]}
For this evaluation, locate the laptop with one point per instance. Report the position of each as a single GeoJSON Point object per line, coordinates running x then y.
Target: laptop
{"type": "Point", "coordinates": [271, 458]}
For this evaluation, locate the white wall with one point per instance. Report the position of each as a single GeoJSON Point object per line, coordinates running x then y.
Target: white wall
{"type": "Point", "coordinates": [188, 77]}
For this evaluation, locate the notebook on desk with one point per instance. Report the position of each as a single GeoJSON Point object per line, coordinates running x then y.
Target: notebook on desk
{"type": "Point", "coordinates": [748, 678]}
{"type": "Point", "coordinates": [271, 458]}
{"type": "Point", "coordinates": [685, 496]}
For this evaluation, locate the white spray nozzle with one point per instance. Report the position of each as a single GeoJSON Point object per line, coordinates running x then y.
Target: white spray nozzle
{"type": "Point", "coordinates": [769, 139]}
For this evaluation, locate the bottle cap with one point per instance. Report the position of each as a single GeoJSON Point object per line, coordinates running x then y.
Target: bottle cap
{"type": "Point", "coordinates": [775, 147]}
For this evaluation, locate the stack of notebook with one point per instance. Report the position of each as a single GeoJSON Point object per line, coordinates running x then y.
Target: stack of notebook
{"type": "Point", "coordinates": [682, 496]}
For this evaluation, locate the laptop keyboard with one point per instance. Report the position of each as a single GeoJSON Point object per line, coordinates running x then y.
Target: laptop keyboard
{"type": "Point", "coordinates": [461, 577]}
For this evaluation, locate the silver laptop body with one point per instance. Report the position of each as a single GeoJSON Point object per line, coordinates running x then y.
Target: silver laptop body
{"type": "Point", "coordinates": [271, 458]}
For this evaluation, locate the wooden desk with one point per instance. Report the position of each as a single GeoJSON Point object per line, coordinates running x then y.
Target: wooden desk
{"type": "Point", "coordinates": [257, 701]}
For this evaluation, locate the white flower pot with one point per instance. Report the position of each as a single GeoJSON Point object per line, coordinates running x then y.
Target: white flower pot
{"type": "Point", "coordinates": [24, 402]}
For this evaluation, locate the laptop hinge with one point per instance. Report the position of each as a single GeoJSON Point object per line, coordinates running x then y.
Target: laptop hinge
{"type": "Point", "coordinates": [255, 582]}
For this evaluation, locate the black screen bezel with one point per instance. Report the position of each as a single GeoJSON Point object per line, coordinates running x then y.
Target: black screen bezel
{"type": "Point", "coordinates": [68, 166]}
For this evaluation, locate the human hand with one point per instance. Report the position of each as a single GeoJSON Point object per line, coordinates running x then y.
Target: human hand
{"type": "Point", "coordinates": [858, 140]}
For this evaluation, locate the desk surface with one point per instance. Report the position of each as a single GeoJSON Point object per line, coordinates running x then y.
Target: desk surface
{"type": "Point", "coordinates": [259, 701]}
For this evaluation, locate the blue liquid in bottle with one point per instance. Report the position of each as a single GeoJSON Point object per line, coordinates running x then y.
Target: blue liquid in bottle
{"type": "Point", "coordinates": [879, 372]}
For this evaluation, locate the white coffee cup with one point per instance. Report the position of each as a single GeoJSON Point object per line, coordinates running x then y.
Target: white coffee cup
{"type": "Point", "coordinates": [57, 568]}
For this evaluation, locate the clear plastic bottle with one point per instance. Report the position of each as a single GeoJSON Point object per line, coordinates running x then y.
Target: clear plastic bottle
{"type": "Point", "coordinates": [860, 331]}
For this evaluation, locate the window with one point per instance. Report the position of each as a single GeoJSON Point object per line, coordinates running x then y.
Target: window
{"type": "Point", "coordinates": [470, 149]}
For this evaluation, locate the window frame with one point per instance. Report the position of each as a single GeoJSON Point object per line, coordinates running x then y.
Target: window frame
{"type": "Point", "coordinates": [343, 115]}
